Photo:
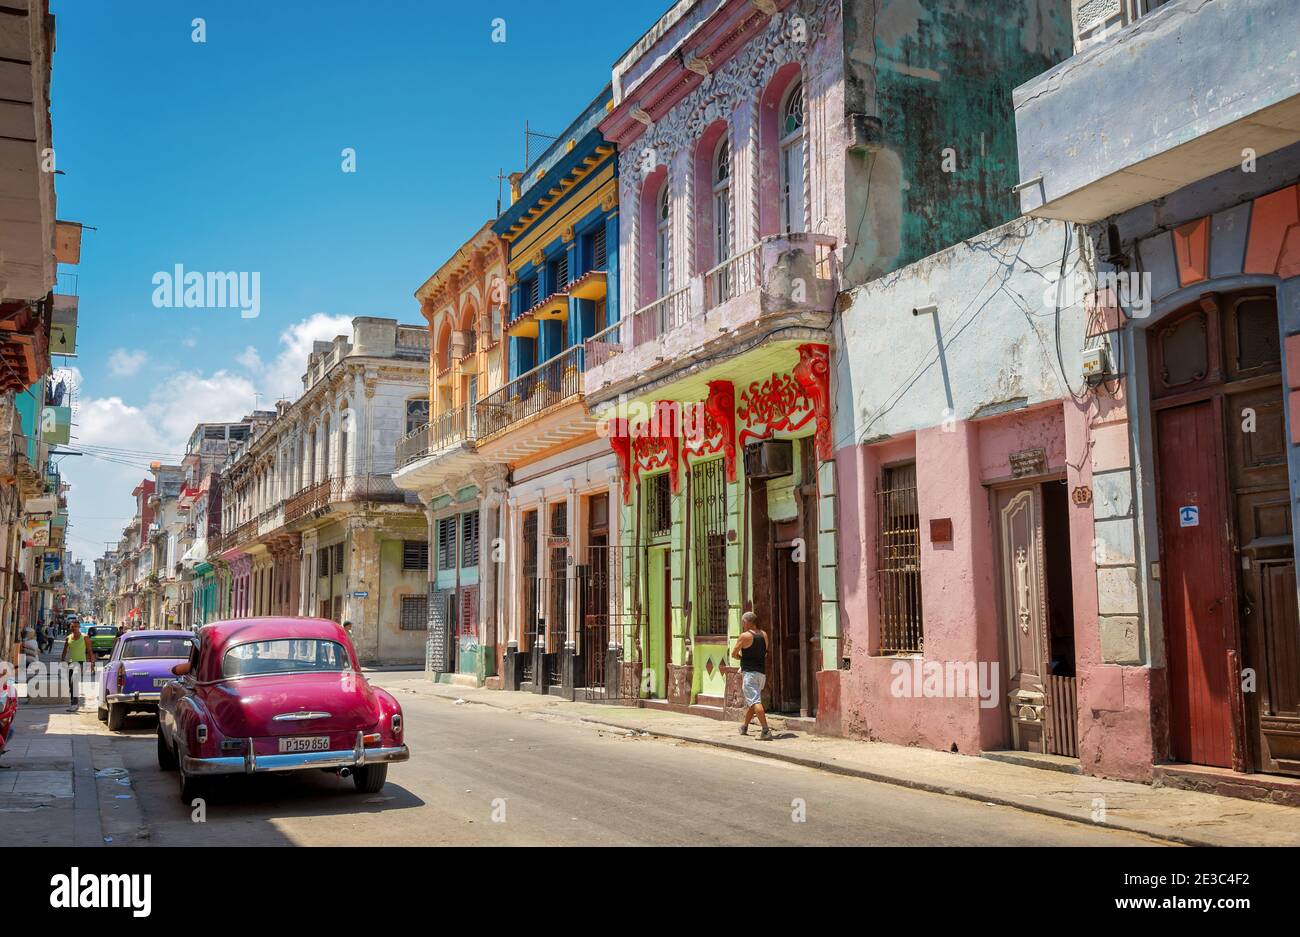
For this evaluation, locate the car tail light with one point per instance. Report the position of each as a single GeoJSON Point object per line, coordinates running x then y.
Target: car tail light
{"type": "Point", "coordinates": [374, 738]}
{"type": "Point", "coordinates": [201, 733]}
{"type": "Point", "coordinates": [121, 676]}
{"type": "Point", "coordinates": [397, 725]}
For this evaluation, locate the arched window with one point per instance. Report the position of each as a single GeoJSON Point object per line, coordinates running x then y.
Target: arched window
{"type": "Point", "coordinates": [722, 201]}
{"type": "Point", "coordinates": [663, 222]}
{"type": "Point", "coordinates": [792, 144]}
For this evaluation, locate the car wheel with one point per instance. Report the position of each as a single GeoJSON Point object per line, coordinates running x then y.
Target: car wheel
{"type": "Point", "coordinates": [116, 717]}
{"type": "Point", "coordinates": [190, 787]}
{"type": "Point", "coordinates": [370, 779]}
{"type": "Point", "coordinates": [166, 757]}
{"type": "Point", "coordinates": [103, 714]}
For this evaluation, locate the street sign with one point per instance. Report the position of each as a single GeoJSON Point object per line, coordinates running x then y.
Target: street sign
{"type": "Point", "coordinates": [1189, 516]}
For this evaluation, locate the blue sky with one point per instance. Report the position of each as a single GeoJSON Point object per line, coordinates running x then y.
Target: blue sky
{"type": "Point", "coordinates": [226, 155]}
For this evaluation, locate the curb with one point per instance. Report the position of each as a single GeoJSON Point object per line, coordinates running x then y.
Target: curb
{"type": "Point", "coordinates": [866, 775]}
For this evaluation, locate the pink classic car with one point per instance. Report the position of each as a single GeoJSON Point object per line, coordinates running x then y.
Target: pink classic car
{"type": "Point", "coordinates": [276, 694]}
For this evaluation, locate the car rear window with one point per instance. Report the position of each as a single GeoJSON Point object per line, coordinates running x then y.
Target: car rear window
{"type": "Point", "coordinates": [288, 655]}
{"type": "Point", "coordinates": [144, 648]}
{"type": "Point", "coordinates": [103, 631]}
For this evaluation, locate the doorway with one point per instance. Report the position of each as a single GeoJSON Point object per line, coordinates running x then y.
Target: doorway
{"type": "Point", "coordinates": [1227, 555]}
{"type": "Point", "coordinates": [660, 620]}
{"type": "Point", "coordinates": [1037, 607]}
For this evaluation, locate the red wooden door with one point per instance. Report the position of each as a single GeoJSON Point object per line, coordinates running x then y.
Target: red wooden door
{"type": "Point", "coordinates": [1196, 589]}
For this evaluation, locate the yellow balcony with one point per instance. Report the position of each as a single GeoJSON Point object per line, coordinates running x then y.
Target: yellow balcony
{"type": "Point", "coordinates": [591, 285]}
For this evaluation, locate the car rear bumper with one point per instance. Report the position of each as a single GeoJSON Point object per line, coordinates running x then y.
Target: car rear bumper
{"type": "Point", "coordinates": [252, 763]}
{"type": "Point", "coordinates": [150, 699]}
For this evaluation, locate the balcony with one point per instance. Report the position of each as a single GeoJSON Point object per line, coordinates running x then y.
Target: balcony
{"type": "Point", "coordinates": [546, 400]}
{"type": "Point", "coordinates": [786, 281]}
{"type": "Point", "coordinates": [1174, 97]}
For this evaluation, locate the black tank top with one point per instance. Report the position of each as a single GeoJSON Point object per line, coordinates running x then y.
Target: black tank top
{"type": "Point", "coordinates": [754, 657]}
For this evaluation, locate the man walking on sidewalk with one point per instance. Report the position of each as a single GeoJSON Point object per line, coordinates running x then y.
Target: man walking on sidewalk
{"type": "Point", "coordinates": [77, 651]}
{"type": "Point", "coordinates": [751, 648]}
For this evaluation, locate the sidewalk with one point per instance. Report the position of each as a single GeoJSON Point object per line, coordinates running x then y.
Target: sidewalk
{"type": "Point", "coordinates": [1174, 815]}
{"type": "Point", "coordinates": [61, 782]}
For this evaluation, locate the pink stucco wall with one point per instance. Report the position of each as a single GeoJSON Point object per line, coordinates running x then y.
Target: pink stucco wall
{"type": "Point", "coordinates": [959, 582]}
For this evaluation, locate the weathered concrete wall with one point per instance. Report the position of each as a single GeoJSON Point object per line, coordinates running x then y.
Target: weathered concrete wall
{"type": "Point", "coordinates": [999, 336]}
{"type": "Point", "coordinates": [959, 391]}
{"type": "Point", "coordinates": [1201, 66]}
{"type": "Point", "coordinates": [938, 75]}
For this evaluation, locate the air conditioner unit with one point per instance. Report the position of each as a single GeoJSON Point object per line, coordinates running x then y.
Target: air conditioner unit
{"type": "Point", "coordinates": [770, 458]}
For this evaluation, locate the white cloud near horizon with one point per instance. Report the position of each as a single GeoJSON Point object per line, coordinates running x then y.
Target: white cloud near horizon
{"type": "Point", "coordinates": [128, 436]}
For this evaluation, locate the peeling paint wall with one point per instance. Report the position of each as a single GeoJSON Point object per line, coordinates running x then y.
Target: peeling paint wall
{"type": "Point", "coordinates": [938, 74]}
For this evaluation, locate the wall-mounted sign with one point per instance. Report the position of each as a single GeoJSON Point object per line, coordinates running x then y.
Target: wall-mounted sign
{"type": "Point", "coordinates": [1189, 515]}
{"type": "Point", "coordinates": [360, 595]}
{"type": "Point", "coordinates": [941, 530]}
{"type": "Point", "coordinates": [56, 425]}
{"type": "Point", "coordinates": [1028, 462]}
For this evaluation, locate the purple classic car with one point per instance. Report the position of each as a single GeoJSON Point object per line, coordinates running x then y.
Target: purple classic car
{"type": "Point", "coordinates": [133, 677]}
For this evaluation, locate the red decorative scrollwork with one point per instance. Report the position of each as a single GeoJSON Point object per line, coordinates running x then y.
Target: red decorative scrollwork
{"type": "Point", "coordinates": [776, 404]}
{"type": "Point", "coordinates": [720, 418]}
{"type": "Point", "coordinates": [813, 372]}
{"type": "Point", "coordinates": [621, 442]}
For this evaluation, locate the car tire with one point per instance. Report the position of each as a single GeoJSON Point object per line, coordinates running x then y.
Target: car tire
{"type": "Point", "coordinates": [370, 779]}
{"type": "Point", "coordinates": [116, 717]}
{"type": "Point", "coordinates": [166, 757]}
{"type": "Point", "coordinates": [191, 788]}
{"type": "Point", "coordinates": [103, 714]}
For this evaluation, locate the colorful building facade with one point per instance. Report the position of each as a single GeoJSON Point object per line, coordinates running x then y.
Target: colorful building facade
{"type": "Point", "coordinates": [464, 303]}
{"type": "Point", "coordinates": [561, 231]}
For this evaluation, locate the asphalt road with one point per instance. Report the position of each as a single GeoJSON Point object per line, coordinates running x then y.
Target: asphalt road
{"type": "Point", "coordinates": [480, 776]}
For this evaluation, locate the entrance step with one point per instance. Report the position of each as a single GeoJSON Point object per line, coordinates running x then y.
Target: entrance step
{"type": "Point", "coordinates": [1036, 760]}
{"type": "Point", "coordinates": [1271, 788]}
{"type": "Point", "coordinates": [456, 679]}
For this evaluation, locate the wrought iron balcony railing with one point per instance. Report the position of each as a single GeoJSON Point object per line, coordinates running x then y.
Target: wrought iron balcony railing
{"type": "Point", "coordinates": [545, 386]}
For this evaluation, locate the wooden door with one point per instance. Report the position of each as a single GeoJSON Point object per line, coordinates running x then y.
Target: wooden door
{"type": "Point", "coordinates": [1196, 582]}
{"type": "Point", "coordinates": [1265, 555]}
{"type": "Point", "coordinates": [1024, 615]}
{"type": "Point", "coordinates": [784, 661]}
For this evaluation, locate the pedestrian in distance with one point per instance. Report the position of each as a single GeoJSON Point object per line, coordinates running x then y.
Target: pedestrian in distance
{"type": "Point", "coordinates": [751, 649]}
{"type": "Point", "coordinates": [77, 652]}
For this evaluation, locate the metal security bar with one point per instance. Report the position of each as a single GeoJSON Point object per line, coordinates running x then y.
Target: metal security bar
{"type": "Point", "coordinates": [658, 506]}
{"type": "Point", "coordinates": [709, 497]}
{"type": "Point", "coordinates": [899, 567]}
{"type": "Point", "coordinates": [529, 628]}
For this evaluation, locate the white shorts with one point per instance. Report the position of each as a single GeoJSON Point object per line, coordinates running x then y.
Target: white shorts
{"type": "Point", "coordinates": [751, 685]}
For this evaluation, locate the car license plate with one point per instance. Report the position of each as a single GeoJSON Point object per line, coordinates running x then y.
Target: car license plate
{"type": "Point", "coordinates": [160, 681]}
{"type": "Point", "coordinates": [306, 743]}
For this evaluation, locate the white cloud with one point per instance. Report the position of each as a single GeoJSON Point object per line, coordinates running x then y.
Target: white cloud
{"type": "Point", "coordinates": [126, 437]}
{"type": "Point", "coordinates": [126, 363]}
{"type": "Point", "coordinates": [283, 376]}
{"type": "Point", "coordinates": [250, 359]}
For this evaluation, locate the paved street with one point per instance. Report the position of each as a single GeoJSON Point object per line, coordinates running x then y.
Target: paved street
{"type": "Point", "coordinates": [570, 784]}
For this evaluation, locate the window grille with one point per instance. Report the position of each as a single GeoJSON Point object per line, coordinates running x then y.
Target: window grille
{"type": "Point", "coordinates": [709, 491]}
{"type": "Point", "coordinates": [899, 570]}
{"type": "Point", "coordinates": [469, 538]}
{"type": "Point", "coordinates": [415, 555]}
{"type": "Point", "coordinates": [414, 614]}
{"type": "Point", "coordinates": [658, 505]}
{"type": "Point", "coordinates": [447, 543]}
{"type": "Point", "coordinates": [338, 558]}
{"type": "Point", "coordinates": [561, 270]}
{"type": "Point", "coordinates": [599, 257]}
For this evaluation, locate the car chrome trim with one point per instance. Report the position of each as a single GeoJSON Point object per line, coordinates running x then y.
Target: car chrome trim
{"type": "Point", "coordinates": [252, 763]}
{"type": "Point", "coordinates": [296, 716]}
{"type": "Point", "coordinates": [133, 697]}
